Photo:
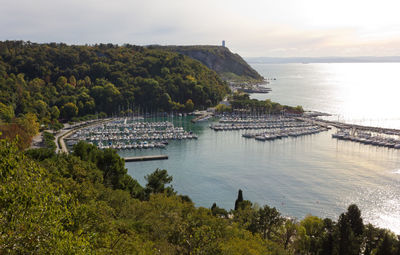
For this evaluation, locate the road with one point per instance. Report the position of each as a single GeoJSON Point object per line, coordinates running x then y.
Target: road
{"type": "Point", "coordinates": [69, 130]}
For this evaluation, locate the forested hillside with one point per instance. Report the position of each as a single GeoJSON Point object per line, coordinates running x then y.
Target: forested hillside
{"type": "Point", "coordinates": [60, 81]}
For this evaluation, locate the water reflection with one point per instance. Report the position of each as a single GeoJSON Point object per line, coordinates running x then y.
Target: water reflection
{"type": "Point", "coordinates": [363, 93]}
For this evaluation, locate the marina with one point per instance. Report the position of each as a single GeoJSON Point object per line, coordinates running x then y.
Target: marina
{"type": "Point", "coordinates": [316, 173]}
{"type": "Point", "coordinates": [368, 137]}
{"type": "Point", "coordinates": [274, 127]}
{"type": "Point", "coordinates": [310, 174]}
{"type": "Point", "coordinates": [131, 133]}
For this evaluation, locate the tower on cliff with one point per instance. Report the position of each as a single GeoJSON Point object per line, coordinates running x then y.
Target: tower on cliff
{"type": "Point", "coordinates": [223, 43]}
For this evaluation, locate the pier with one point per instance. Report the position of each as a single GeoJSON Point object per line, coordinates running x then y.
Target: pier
{"type": "Point", "coordinates": [146, 158]}
{"type": "Point", "coordinates": [203, 116]}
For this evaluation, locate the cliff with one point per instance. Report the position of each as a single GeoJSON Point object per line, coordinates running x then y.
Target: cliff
{"type": "Point", "coordinates": [228, 65]}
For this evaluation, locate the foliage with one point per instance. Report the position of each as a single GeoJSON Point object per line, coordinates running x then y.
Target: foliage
{"type": "Point", "coordinates": [80, 204]}
{"type": "Point", "coordinates": [239, 199]}
{"type": "Point", "coordinates": [48, 139]}
{"type": "Point", "coordinates": [57, 80]}
{"type": "Point", "coordinates": [156, 182]}
{"type": "Point", "coordinates": [218, 211]}
{"type": "Point", "coordinates": [21, 129]}
{"type": "Point", "coordinates": [242, 101]}
{"type": "Point", "coordinates": [112, 166]}
{"type": "Point", "coordinates": [35, 213]}
{"type": "Point", "coordinates": [6, 112]}
{"type": "Point", "coordinates": [223, 108]}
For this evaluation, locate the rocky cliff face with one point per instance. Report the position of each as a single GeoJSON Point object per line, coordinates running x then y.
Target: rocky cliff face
{"type": "Point", "coordinates": [228, 65]}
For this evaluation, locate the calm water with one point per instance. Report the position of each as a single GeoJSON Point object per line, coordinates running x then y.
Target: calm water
{"type": "Point", "coordinates": [307, 175]}
{"type": "Point", "coordinates": [362, 93]}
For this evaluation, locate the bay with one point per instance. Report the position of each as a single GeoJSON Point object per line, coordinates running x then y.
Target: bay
{"type": "Point", "coordinates": [313, 174]}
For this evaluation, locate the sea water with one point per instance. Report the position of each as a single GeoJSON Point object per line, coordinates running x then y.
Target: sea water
{"type": "Point", "coordinates": [313, 174]}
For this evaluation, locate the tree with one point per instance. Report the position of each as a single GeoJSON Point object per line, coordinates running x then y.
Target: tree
{"type": "Point", "coordinates": [157, 181]}
{"type": "Point", "coordinates": [347, 243]}
{"type": "Point", "coordinates": [55, 112]}
{"type": "Point", "coordinates": [328, 242]}
{"type": "Point", "coordinates": [111, 165]}
{"type": "Point", "coordinates": [72, 80]}
{"type": "Point", "coordinates": [268, 220]}
{"type": "Point", "coordinates": [387, 246]}
{"type": "Point", "coordinates": [355, 220]}
{"type": "Point", "coordinates": [310, 238]}
{"type": "Point", "coordinates": [35, 213]}
{"type": "Point", "coordinates": [69, 110]}
{"type": "Point", "coordinates": [288, 231]}
{"type": "Point", "coordinates": [239, 199]}
{"type": "Point", "coordinates": [166, 102]}
{"type": "Point", "coordinates": [61, 81]}
{"type": "Point", "coordinates": [189, 105]}
{"type": "Point", "coordinates": [29, 123]}
{"type": "Point", "coordinates": [223, 108]}
{"type": "Point", "coordinates": [218, 211]}
{"type": "Point", "coordinates": [6, 112]}
{"type": "Point", "coordinates": [41, 108]}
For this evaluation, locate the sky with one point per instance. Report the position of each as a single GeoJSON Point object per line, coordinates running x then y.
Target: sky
{"type": "Point", "coordinates": [252, 28]}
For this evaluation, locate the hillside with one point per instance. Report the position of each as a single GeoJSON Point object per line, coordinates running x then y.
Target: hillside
{"type": "Point", "coordinates": [82, 80]}
{"type": "Point", "coordinates": [228, 65]}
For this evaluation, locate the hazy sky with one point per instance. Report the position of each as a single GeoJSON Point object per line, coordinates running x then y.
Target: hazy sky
{"type": "Point", "coordinates": [280, 28]}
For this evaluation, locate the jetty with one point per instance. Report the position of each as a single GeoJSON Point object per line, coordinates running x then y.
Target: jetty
{"type": "Point", "coordinates": [146, 158]}
{"type": "Point", "coordinates": [204, 116]}
{"type": "Point", "coordinates": [342, 125]}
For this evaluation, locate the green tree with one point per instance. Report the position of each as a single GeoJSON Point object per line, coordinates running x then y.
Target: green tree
{"type": "Point", "coordinates": [29, 123]}
{"type": "Point", "coordinates": [69, 110]}
{"type": "Point", "coordinates": [189, 105]}
{"type": "Point", "coordinates": [355, 220]}
{"type": "Point", "coordinates": [157, 181]}
{"type": "Point", "coordinates": [62, 81]}
{"type": "Point", "coordinates": [6, 112]}
{"type": "Point", "coordinates": [218, 211]}
{"type": "Point", "coordinates": [34, 213]}
{"type": "Point", "coordinates": [387, 245]}
{"type": "Point", "coordinates": [310, 237]}
{"type": "Point", "coordinates": [41, 108]}
{"type": "Point", "coordinates": [55, 112]}
{"type": "Point", "coordinates": [346, 241]}
{"type": "Point", "coordinates": [288, 231]}
{"type": "Point", "coordinates": [72, 80]}
{"type": "Point", "coordinates": [268, 220]}
{"type": "Point", "coordinates": [239, 199]}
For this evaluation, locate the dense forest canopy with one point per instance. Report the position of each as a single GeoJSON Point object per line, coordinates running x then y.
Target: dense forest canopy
{"type": "Point", "coordinates": [60, 81]}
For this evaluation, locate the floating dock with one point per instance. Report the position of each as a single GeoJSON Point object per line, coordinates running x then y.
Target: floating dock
{"type": "Point", "coordinates": [146, 158]}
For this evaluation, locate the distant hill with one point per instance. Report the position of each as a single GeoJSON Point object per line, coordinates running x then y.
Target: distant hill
{"type": "Point", "coordinates": [230, 66]}
{"type": "Point", "coordinates": [364, 59]}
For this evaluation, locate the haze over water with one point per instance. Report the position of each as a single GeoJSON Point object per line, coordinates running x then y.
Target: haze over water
{"type": "Point", "coordinates": [306, 175]}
